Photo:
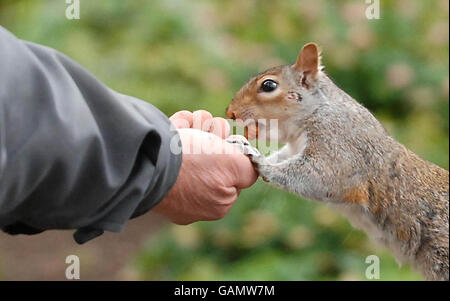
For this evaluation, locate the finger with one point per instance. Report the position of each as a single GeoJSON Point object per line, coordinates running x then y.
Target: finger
{"type": "Point", "coordinates": [227, 197]}
{"type": "Point", "coordinates": [220, 127]}
{"type": "Point", "coordinates": [182, 119]}
{"type": "Point", "coordinates": [246, 174]}
{"type": "Point", "coordinates": [199, 119]}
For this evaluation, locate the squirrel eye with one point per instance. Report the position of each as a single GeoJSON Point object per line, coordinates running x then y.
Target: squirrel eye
{"type": "Point", "coordinates": [268, 85]}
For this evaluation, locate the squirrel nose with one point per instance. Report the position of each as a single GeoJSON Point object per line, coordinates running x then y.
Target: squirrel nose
{"type": "Point", "coordinates": [230, 114]}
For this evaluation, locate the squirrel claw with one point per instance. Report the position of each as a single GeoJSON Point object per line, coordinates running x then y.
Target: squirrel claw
{"type": "Point", "coordinates": [265, 179]}
{"type": "Point", "coordinates": [252, 153]}
{"type": "Point", "coordinates": [244, 146]}
{"type": "Point", "coordinates": [238, 139]}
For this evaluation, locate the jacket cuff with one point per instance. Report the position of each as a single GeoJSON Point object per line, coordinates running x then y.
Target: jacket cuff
{"type": "Point", "coordinates": [161, 159]}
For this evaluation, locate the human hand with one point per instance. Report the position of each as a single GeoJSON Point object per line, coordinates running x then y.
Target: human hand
{"type": "Point", "coordinates": [209, 181]}
{"type": "Point", "coordinates": [201, 120]}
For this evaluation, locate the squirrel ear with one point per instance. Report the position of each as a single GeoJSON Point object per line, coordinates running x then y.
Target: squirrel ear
{"type": "Point", "coordinates": [308, 60]}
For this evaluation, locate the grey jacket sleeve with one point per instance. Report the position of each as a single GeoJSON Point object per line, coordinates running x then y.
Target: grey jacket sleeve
{"type": "Point", "coordinates": [73, 153]}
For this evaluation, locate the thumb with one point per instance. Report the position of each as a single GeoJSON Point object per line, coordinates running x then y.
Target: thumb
{"type": "Point", "coordinates": [246, 174]}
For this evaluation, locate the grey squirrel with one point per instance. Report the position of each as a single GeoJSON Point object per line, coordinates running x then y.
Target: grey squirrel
{"type": "Point", "coordinates": [337, 152]}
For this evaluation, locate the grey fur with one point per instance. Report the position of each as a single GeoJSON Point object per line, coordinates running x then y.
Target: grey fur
{"type": "Point", "coordinates": [351, 162]}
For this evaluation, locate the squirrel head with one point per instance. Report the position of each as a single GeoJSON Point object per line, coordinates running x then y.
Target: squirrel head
{"type": "Point", "coordinates": [284, 93]}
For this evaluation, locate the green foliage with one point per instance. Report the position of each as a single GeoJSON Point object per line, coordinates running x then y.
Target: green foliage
{"type": "Point", "coordinates": [196, 55]}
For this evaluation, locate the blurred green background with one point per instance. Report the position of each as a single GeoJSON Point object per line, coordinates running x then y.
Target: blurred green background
{"type": "Point", "coordinates": [196, 55]}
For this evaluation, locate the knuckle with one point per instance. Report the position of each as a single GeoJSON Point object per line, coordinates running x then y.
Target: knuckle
{"type": "Point", "coordinates": [187, 112]}
{"type": "Point", "coordinates": [182, 114]}
{"type": "Point", "coordinates": [181, 123]}
{"type": "Point", "coordinates": [203, 114]}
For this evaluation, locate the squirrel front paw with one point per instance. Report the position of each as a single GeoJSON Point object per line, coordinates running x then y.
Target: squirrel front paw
{"type": "Point", "coordinates": [242, 143]}
{"type": "Point", "coordinates": [245, 147]}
